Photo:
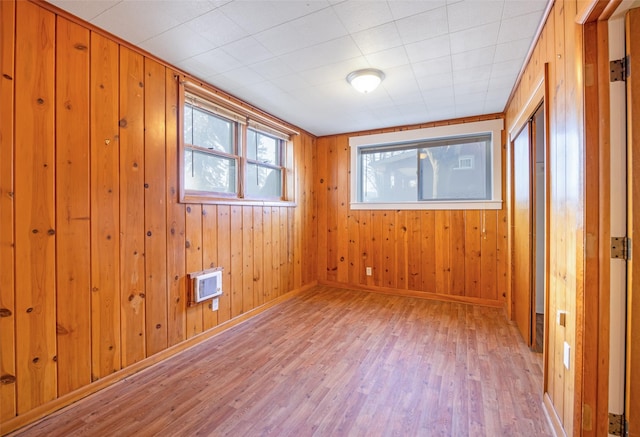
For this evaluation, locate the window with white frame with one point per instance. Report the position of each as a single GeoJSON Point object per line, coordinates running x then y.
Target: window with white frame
{"type": "Point", "coordinates": [448, 167]}
{"type": "Point", "coordinates": [227, 155]}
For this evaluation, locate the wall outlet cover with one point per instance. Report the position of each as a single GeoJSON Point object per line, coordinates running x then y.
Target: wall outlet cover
{"type": "Point", "coordinates": [567, 355]}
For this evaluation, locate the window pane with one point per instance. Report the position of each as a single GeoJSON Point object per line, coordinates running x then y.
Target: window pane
{"type": "Point", "coordinates": [263, 148]}
{"type": "Point", "coordinates": [390, 176]}
{"type": "Point", "coordinates": [212, 132]}
{"type": "Point", "coordinates": [188, 124]}
{"type": "Point", "coordinates": [263, 181]}
{"type": "Point", "coordinates": [459, 171]}
{"type": "Point", "coordinates": [206, 172]}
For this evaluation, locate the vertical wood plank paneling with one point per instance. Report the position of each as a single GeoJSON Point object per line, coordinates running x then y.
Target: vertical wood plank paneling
{"type": "Point", "coordinates": [298, 214]}
{"type": "Point", "coordinates": [332, 248]}
{"type": "Point", "coordinates": [105, 215]}
{"type": "Point", "coordinates": [176, 268]}
{"type": "Point", "coordinates": [322, 204]}
{"type": "Point", "coordinates": [224, 260]}
{"type": "Point", "coordinates": [258, 256]}
{"type": "Point", "coordinates": [365, 254]}
{"type": "Point", "coordinates": [353, 258]}
{"type": "Point", "coordinates": [285, 258]}
{"type": "Point", "coordinates": [414, 251]}
{"type": "Point", "coordinates": [457, 253]}
{"type": "Point", "coordinates": [236, 260]}
{"type": "Point", "coordinates": [73, 251]}
{"type": "Point", "coordinates": [389, 255]}
{"type": "Point", "coordinates": [35, 238]}
{"type": "Point", "coordinates": [193, 232]}
{"type": "Point", "coordinates": [209, 257]}
{"type": "Point", "coordinates": [341, 188]}
{"type": "Point", "coordinates": [267, 254]}
{"type": "Point", "coordinates": [310, 227]}
{"type": "Point", "coordinates": [442, 246]}
{"type": "Point", "coordinates": [402, 266]}
{"type": "Point", "coordinates": [132, 213]}
{"type": "Point", "coordinates": [247, 259]}
{"type": "Point", "coordinates": [377, 240]}
{"type": "Point", "coordinates": [488, 279]}
{"type": "Point", "coordinates": [502, 256]}
{"type": "Point", "coordinates": [428, 261]}
{"type": "Point", "coordinates": [7, 242]}
{"type": "Point", "coordinates": [155, 207]}
{"type": "Point", "coordinates": [275, 252]}
{"type": "Point", "coordinates": [472, 267]}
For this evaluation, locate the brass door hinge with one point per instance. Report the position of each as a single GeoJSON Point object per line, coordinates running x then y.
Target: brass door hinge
{"type": "Point", "coordinates": [617, 424]}
{"type": "Point", "coordinates": [619, 70]}
{"type": "Point", "coordinates": [621, 248]}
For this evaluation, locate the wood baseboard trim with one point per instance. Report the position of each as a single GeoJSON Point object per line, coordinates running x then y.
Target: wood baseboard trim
{"type": "Point", "coordinates": [552, 416]}
{"type": "Point", "coordinates": [418, 294]}
{"type": "Point", "coordinates": [31, 417]}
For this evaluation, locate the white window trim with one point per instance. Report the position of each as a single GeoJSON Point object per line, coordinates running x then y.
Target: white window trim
{"type": "Point", "coordinates": [493, 127]}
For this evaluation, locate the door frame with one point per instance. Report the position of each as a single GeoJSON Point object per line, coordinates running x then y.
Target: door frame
{"type": "Point", "coordinates": [539, 96]}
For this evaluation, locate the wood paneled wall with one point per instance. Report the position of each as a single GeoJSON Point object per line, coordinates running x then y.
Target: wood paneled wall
{"type": "Point", "coordinates": [456, 255]}
{"type": "Point", "coordinates": [560, 45]}
{"type": "Point", "coordinates": [94, 245]}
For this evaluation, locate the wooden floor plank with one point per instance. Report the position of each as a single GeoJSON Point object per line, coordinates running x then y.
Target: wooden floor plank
{"type": "Point", "coordinates": [332, 362]}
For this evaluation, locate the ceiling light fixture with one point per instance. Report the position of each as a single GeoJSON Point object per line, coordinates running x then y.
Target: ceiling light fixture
{"type": "Point", "coordinates": [365, 80]}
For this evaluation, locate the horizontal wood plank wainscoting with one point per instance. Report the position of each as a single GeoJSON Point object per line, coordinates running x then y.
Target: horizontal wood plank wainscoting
{"type": "Point", "coordinates": [458, 255]}
{"type": "Point", "coordinates": [95, 246]}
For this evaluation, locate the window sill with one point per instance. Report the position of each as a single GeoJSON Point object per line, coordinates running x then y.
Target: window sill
{"type": "Point", "coordinates": [443, 205]}
{"type": "Point", "coordinates": [194, 199]}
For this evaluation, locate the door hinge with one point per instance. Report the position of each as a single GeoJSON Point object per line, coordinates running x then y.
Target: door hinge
{"type": "Point", "coordinates": [617, 424]}
{"type": "Point", "coordinates": [619, 69]}
{"type": "Point", "coordinates": [621, 248]}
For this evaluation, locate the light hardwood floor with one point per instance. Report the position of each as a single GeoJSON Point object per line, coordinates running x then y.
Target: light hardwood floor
{"type": "Point", "coordinates": [332, 362]}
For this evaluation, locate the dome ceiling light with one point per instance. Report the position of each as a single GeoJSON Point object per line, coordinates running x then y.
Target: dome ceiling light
{"type": "Point", "coordinates": [365, 80]}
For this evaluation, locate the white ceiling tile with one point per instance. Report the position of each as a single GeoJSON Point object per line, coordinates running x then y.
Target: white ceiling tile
{"type": "Point", "coordinates": [390, 58]}
{"type": "Point", "coordinates": [304, 32]}
{"type": "Point", "coordinates": [125, 22]}
{"type": "Point", "coordinates": [423, 26]}
{"type": "Point", "coordinates": [248, 50]}
{"type": "Point", "coordinates": [512, 50]}
{"type": "Point", "coordinates": [472, 13]}
{"type": "Point", "coordinates": [405, 8]}
{"type": "Point", "coordinates": [515, 8]}
{"type": "Point", "coordinates": [291, 82]}
{"type": "Point", "coordinates": [505, 69]}
{"type": "Point", "coordinates": [325, 53]}
{"type": "Point", "coordinates": [434, 67]}
{"type": "Point", "coordinates": [478, 37]}
{"type": "Point", "coordinates": [361, 15]}
{"type": "Point", "coordinates": [257, 15]}
{"type": "Point", "coordinates": [428, 49]}
{"type": "Point", "coordinates": [218, 61]}
{"type": "Point", "coordinates": [435, 82]}
{"type": "Point", "coordinates": [85, 9]}
{"type": "Point", "coordinates": [472, 75]}
{"type": "Point", "coordinates": [378, 38]}
{"type": "Point", "coordinates": [217, 28]}
{"type": "Point", "coordinates": [463, 88]}
{"type": "Point", "coordinates": [272, 68]}
{"type": "Point", "coordinates": [522, 26]}
{"type": "Point", "coordinates": [177, 44]}
{"type": "Point", "coordinates": [473, 59]}
{"type": "Point", "coordinates": [327, 74]}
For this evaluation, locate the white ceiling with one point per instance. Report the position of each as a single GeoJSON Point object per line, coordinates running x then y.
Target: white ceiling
{"type": "Point", "coordinates": [442, 59]}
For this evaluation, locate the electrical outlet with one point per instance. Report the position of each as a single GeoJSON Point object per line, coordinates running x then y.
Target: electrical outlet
{"type": "Point", "coordinates": [369, 271]}
{"type": "Point", "coordinates": [215, 304]}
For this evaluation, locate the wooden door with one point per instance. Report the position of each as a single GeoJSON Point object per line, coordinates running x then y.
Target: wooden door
{"type": "Point", "coordinates": [632, 389]}
{"type": "Point", "coordinates": [522, 233]}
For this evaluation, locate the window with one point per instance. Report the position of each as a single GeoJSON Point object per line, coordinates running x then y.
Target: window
{"type": "Point", "coordinates": [228, 155]}
{"type": "Point", "coordinates": [449, 167]}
